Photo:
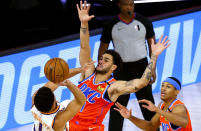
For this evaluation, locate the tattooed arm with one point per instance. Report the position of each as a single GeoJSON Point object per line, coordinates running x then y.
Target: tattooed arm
{"type": "Point", "coordinates": [124, 87]}
{"type": "Point", "coordinates": [85, 51]}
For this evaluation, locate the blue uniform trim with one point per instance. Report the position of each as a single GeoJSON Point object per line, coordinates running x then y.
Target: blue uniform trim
{"type": "Point", "coordinates": [79, 82]}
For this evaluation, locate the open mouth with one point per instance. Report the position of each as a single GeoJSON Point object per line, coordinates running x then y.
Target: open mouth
{"type": "Point", "coordinates": [162, 94]}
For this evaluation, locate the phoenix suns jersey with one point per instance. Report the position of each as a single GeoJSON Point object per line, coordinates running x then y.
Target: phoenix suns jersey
{"type": "Point", "coordinates": [45, 121]}
{"type": "Point", "coordinates": [167, 126]}
{"type": "Point", "coordinates": [97, 105]}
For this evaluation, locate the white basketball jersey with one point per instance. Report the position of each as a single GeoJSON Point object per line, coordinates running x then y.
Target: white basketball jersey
{"type": "Point", "coordinates": [45, 122]}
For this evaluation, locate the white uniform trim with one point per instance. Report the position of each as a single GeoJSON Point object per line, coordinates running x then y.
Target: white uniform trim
{"type": "Point", "coordinates": [46, 119]}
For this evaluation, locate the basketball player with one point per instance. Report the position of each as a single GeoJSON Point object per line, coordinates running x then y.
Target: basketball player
{"type": "Point", "coordinates": [171, 114]}
{"type": "Point", "coordinates": [50, 115]}
{"type": "Point", "coordinates": [98, 84]}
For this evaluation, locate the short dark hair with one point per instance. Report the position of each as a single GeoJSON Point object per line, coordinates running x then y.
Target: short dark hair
{"type": "Point", "coordinates": [175, 79]}
{"type": "Point", "coordinates": [44, 99]}
{"type": "Point", "coordinates": [116, 59]}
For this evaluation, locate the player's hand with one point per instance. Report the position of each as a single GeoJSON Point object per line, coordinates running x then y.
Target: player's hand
{"type": "Point", "coordinates": [83, 12]}
{"type": "Point", "coordinates": [123, 110]}
{"type": "Point", "coordinates": [51, 84]}
{"type": "Point", "coordinates": [65, 83]}
{"type": "Point", "coordinates": [148, 105]}
{"type": "Point", "coordinates": [86, 66]}
{"type": "Point", "coordinates": [160, 46]}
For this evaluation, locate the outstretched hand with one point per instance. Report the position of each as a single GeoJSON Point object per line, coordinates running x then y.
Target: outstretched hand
{"type": "Point", "coordinates": [83, 12]}
{"type": "Point", "coordinates": [148, 105]}
{"type": "Point", "coordinates": [123, 110]}
{"type": "Point", "coordinates": [161, 45]}
{"type": "Point", "coordinates": [86, 66]}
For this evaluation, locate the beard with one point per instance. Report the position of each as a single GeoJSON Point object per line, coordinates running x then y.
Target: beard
{"type": "Point", "coordinates": [102, 72]}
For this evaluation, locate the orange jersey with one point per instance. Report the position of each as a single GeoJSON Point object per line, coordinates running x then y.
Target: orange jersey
{"type": "Point", "coordinates": [96, 107]}
{"type": "Point", "coordinates": [167, 126]}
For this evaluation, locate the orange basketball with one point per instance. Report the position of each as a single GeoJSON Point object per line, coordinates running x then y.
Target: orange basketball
{"type": "Point", "coordinates": [56, 70]}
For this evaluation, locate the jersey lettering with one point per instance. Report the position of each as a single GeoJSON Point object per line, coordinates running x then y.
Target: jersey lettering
{"type": "Point", "coordinates": [90, 100]}
{"type": "Point", "coordinates": [165, 127]}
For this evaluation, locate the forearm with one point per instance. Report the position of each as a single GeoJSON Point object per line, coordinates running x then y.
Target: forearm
{"type": "Point", "coordinates": [173, 118]}
{"type": "Point", "coordinates": [137, 84]}
{"type": "Point", "coordinates": [150, 41]}
{"type": "Point", "coordinates": [51, 85]}
{"type": "Point", "coordinates": [85, 50]}
{"type": "Point", "coordinates": [84, 35]}
{"type": "Point", "coordinates": [78, 95]}
{"type": "Point", "coordinates": [74, 71]}
{"type": "Point", "coordinates": [142, 124]}
{"type": "Point", "coordinates": [146, 77]}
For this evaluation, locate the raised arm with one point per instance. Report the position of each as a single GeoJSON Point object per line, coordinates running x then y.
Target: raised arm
{"type": "Point", "coordinates": [74, 71]}
{"type": "Point", "coordinates": [73, 107]}
{"type": "Point", "coordinates": [151, 41]}
{"type": "Point", "coordinates": [85, 51]}
{"type": "Point", "coordinates": [124, 87]}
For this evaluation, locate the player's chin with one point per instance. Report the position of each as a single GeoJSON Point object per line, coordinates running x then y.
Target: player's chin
{"type": "Point", "coordinates": [98, 68]}
{"type": "Point", "coordinates": [163, 98]}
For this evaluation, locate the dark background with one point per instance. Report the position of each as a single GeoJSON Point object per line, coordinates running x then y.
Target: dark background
{"type": "Point", "coordinates": [26, 22]}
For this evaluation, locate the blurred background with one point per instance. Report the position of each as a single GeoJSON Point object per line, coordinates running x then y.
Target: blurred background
{"type": "Point", "coordinates": [26, 22]}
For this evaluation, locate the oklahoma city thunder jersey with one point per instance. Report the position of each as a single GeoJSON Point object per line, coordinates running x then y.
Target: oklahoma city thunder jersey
{"type": "Point", "coordinates": [45, 121]}
{"type": "Point", "coordinates": [96, 106]}
{"type": "Point", "coordinates": [167, 126]}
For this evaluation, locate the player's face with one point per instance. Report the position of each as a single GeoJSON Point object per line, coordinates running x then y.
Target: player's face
{"type": "Point", "coordinates": [168, 91]}
{"type": "Point", "coordinates": [126, 7]}
{"type": "Point", "coordinates": [105, 64]}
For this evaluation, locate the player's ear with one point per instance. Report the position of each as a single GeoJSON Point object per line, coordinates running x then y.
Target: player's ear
{"type": "Point", "coordinates": [177, 92]}
{"type": "Point", "coordinates": [114, 67]}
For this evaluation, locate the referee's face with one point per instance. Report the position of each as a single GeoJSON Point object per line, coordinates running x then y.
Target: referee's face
{"type": "Point", "coordinates": [126, 7]}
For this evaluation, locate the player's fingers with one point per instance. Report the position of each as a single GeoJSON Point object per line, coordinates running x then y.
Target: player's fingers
{"type": "Point", "coordinates": [145, 106]}
{"type": "Point", "coordinates": [116, 109]}
{"type": "Point", "coordinates": [160, 39]}
{"type": "Point", "coordinates": [143, 101]}
{"type": "Point", "coordinates": [92, 16]}
{"type": "Point", "coordinates": [164, 39]}
{"type": "Point", "coordinates": [78, 8]}
{"type": "Point", "coordinates": [81, 6]}
{"type": "Point", "coordinates": [119, 105]}
{"type": "Point", "coordinates": [88, 7]}
{"type": "Point", "coordinates": [85, 4]}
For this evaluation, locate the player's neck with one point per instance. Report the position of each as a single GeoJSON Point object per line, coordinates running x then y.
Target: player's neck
{"type": "Point", "coordinates": [53, 110]}
{"type": "Point", "coordinates": [102, 77]}
{"type": "Point", "coordinates": [169, 101]}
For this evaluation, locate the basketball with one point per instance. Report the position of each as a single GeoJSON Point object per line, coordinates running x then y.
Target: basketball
{"type": "Point", "coordinates": [56, 70]}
